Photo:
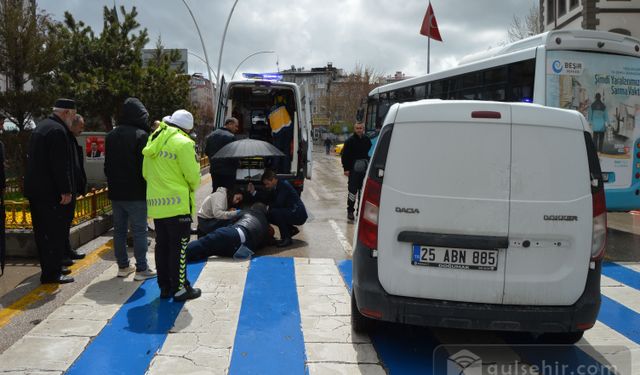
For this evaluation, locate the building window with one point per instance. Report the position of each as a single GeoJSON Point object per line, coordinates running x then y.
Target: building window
{"type": "Point", "coordinates": [551, 14]}
{"type": "Point", "coordinates": [573, 4]}
{"type": "Point", "coordinates": [562, 7]}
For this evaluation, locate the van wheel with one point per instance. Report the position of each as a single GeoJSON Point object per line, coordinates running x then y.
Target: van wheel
{"type": "Point", "coordinates": [560, 337]}
{"type": "Point", "coordinates": [359, 322]}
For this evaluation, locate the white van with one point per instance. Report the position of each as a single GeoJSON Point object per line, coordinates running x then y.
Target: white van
{"type": "Point", "coordinates": [251, 102]}
{"type": "Point", "coordinates": [481, 215]}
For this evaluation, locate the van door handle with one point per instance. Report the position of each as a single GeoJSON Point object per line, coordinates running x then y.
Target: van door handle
{"type": "Point", "coordinates": [461, 241]}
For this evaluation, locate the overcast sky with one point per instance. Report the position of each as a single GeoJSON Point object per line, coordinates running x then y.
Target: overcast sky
{"type": "Point", "coordinates": [383, 35]}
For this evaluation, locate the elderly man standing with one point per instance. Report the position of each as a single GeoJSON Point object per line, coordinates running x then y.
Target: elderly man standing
{"type": "Point", "coordinates": [49, 185]}
{"type": "Point", "coordinates": [127, 187]}
{"type": "Point", "coordinates": [223, 171]}
{"type": "Point", "coordinates": [172, 171]}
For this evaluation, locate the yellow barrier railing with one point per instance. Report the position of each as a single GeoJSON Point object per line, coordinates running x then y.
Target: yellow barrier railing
{"type": "Point", "coordinates": [89, 206]}
{"type": "Point", "coordinates": [204, 162]}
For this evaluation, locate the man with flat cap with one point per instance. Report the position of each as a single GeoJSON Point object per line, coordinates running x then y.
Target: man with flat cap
{"type": "Point", "coordinates": [50, 184]}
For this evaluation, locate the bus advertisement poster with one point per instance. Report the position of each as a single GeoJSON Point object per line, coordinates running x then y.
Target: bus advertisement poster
{"type": "Point", "coordinates": [606, 90]}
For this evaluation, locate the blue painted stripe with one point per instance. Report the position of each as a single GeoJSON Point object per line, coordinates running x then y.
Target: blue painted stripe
{"type": "Point", "coordinates": [128, 343]}
{"type": "Point", "coordinates": [269, 335]}
{"type": "Point", "coordinates": [620, 318]}
{"type": "Point", "coordinates": [402, 349]}
{"type": "Point", "coordinates": [346, 270]}
{"type": "Point", "coordinates": [622, 274]}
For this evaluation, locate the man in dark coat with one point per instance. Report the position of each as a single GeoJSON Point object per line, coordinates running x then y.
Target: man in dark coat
{"type": "Point", "coordinates": [77, 127]}
{"type": "Point", "coordinates": [127, 187]}
{"type": "Point", "coordinates": [286, 209]}
{"type": "Point", "coordinates": [49, 185]}
{"type": "Point", "coordinates": [249, 228]}
{"type": "Point", "coordinates": [355, 156]}
{"type": "Point", "coordinates": [223, 171]}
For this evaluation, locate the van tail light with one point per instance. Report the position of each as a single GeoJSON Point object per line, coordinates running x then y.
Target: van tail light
{"type": "Point", "coordinates": [370, 207]}
{"type": "Point", "coordinates": [599, 238]}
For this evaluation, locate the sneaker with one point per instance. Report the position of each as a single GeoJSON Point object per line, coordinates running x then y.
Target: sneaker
{"type": "Point", "coordinates": [350, 216]}
{"type": "Point", "coordinates": [126, 271]}
{"type": "Point", "coordinates": [294, 230]}
{"type": "Point", "coordinates": [187, 293]}
{"type": "Point", "coordinates": [146, 274]}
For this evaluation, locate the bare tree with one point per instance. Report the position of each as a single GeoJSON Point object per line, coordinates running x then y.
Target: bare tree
{"type": "Point", "coordinates": [526, 26]}
{"type": "Point", "coordinates": [347, 92]}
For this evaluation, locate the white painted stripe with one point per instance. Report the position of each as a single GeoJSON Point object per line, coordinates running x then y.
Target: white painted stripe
{"type": "Point", "coordinates": [621, 293]}
{"type": "Point", "coordinates": [330, 344]}
{"type": "Point", "coordinates": [204, 332]}
{"type": "Point", "coordinates": [313, 193]}
{"type": "Point", "coordinates": [346, 246]}
{"type": "Point", "coordinates": [602, 343]}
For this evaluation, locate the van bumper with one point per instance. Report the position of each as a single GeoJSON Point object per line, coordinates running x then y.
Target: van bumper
{"type": "Point", "coordinates": [370, 296]}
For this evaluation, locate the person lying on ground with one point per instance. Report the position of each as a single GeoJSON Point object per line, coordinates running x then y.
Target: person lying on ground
{"type": "Point", "coordinates": [250, 230]}
{"type": "Point", "coordinates": [218, 210]}
{"type": "Point", "coordinates": [286, 209]}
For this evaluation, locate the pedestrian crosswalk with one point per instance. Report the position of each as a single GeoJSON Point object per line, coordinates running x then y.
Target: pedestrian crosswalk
{"type": "Point", "coordinates": [276, 315]}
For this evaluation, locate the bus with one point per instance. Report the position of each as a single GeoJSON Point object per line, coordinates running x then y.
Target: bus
{"type": "Point", "coordinates": [593, 72]}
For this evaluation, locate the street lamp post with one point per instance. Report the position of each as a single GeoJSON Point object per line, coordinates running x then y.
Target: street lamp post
{"type": "Point", "coordinates": [208, 67]}
{"type": "Point", "coordinates": [204, 49]}
{"type": "Point", "coordinates": [247, 58]}
{"type": "Point", "coordinates": [224, 35]}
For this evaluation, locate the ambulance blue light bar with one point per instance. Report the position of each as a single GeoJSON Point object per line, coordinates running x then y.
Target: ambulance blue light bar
{"type": "Point", "coordinates": [263, 76]}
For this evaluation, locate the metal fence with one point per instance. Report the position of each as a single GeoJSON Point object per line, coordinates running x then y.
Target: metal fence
{"type": "Point", "coordinates": [89, 206]}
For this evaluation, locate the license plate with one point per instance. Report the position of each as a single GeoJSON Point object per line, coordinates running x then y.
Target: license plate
{"type": "Point", "coordinates": [463, 259]}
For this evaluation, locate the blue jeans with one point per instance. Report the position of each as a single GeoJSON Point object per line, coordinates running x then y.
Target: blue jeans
{"type": "Point", "coordinates": [134, 212]}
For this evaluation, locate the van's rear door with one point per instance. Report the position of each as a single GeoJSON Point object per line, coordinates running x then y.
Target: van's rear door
{"type": "Point", "coordinates": [222, 103]}
{"type": "Point", "coordinates": [551, 209]}
{"type": "Point", "coordinates": [305, 128]}
{"type": "Point", "coordinates": [444, 206]}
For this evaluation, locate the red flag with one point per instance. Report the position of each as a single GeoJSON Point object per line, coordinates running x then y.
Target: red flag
{"type": "Point", "coordinates": [430, 26]}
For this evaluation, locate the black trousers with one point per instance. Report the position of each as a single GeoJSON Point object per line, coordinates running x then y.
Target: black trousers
{"type": "Point", "coordinates": [284, 219]}
{"type": "Point", "coordinates": [50, 230]}
{"type": "Point", "coordinates": [354, 186]}
{"type": "Point", "coordinates": [598, 139]}
{"type": "Point", "coordinates": [222, 180]}
{"type": "Point", "coordinates": [172, 237]}
{"type": "Point", "coordinates": [221, 242]}
{"type": "Point", "coordinates": [69, 211]}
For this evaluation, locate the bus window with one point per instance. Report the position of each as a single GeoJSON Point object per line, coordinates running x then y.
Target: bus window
{"type": "Point", "coordinates": [405, 95]}
{"type": "Point", "coordinates": [372, 110]}
{"type": "Point", "coordinates": [438, 90]}
{"type": "Point", "coordinates": [494, 76]}
{"type": "Point", "coordinates": [521, 78]}
{"type": "Point", "coordinates": [420, 92]}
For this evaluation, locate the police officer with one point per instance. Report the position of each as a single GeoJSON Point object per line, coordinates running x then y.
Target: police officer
{"type": "Point", "coordinates": [355, 156]}
{"type": "Point", "coordinates": [172, 172]}
{"type": "Point", "coordinates": [50, 185]}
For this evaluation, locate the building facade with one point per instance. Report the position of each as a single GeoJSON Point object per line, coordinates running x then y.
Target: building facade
{"type": "Point", "coordinates": [201, 97]}
{"type": "Point", "coordinates": [620, 16]}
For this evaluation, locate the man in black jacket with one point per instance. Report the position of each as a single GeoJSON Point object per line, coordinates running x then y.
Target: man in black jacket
{"type": "Point", "coordinates": [286, 209]}
{"type": "Point", "coordinates": [77, 127]}
{"type": "Point", "coordinates": [250, 228]}
{"type": "Point", "coordinates": [223, 171]}
{"type": "Point", "coordinates": [355, 156]}
{"type": "Point", "coordinates": [127, 187]}
{"type": "Point", "coordinates": [49, 185]}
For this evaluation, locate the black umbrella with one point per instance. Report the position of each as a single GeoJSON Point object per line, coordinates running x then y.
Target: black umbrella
{"type": "Point", "coordinates": [247, 148]}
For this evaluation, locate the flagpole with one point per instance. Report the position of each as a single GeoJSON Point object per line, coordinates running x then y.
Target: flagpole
{"type": "Point", "coordinates": [428, 53]}
{"type": "Point", "coordinates": [429, 41]}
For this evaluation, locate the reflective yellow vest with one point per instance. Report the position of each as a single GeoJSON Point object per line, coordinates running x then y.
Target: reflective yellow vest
{"type": "Point", "coordinates": [172, 171]}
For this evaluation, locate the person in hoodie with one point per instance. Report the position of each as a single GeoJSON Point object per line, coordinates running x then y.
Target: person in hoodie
{"type": "Point", "coordinates": [172, 171]}
{"type": "Point", "coordinates": [127, 187]}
